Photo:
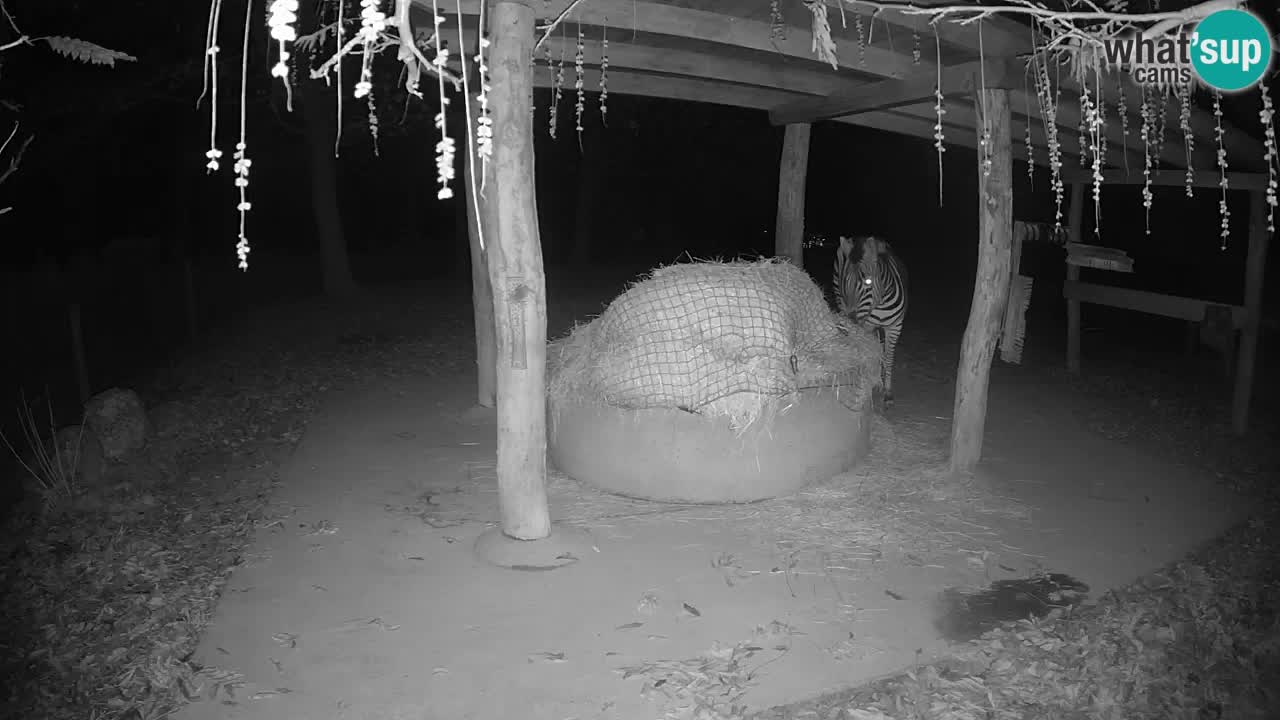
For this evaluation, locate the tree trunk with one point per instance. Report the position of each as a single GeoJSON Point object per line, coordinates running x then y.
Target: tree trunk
{"type": "Point", "coordinates": [320, 125]}
{"type": "Point", "coordinates": [463, 212]}
{"type": "Point", "coordinates": [1254, 274]}
{"type": "Point", "coordinates": [990, 287]}
{"type": "Point", "coordinates": [475, 212]}
{"type": "Point", "coordinates": [793, 171]}
{"type": "Point", "coordinates": [518, 280]}
{"type": "Point", "coordinates": [1075, 226]}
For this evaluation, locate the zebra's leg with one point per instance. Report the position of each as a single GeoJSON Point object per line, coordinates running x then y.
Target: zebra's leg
{"type": "Point", "coordinates": [891, 334]}
{"type": "Point", "coordinates": [877, 395]}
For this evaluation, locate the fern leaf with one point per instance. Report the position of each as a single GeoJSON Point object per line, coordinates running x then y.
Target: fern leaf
{"type": "Point", "coordinates": [86, 51]}
{"type": "Point", "coordinates": [312, 41]}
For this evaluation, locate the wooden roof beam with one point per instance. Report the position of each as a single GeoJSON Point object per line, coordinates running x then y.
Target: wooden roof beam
{"type": "Point", "coordinates": [964, 36]}
{"type": "Point", "coordinates": [800, 81]}
{"type": "Point", "coordinates": [708, 91]}
{"type": "Point", "coordinates": [957, 81]}
{"type": "Point", "coordinates": [1002, 36]}
{"type": "Point", "coordinates": [628, 17]}
{"type": "Point", "coordinates": [690, 63]}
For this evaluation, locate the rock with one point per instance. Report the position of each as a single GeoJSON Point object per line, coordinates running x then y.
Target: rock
{"type": "Point", "coordinates": [79, 453]}
{"type": "Point", "coordinates": [119, 422]}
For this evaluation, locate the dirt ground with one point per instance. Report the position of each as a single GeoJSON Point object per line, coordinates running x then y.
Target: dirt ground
{"type": "Point", "coordinates": [363, 598]}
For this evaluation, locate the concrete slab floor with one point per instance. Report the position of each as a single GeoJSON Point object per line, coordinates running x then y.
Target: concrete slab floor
{"type": "Point", "coordinates": [368, 601]}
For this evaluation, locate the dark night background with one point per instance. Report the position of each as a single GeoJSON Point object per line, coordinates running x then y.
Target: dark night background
{"type": "Point", "coordinates": [113, 193]}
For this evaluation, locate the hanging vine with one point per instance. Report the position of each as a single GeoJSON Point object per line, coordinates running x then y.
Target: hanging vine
{"type": "Point", "coordinates": [445, 147]}
{"type": "Point", "coordinates": [372, 22]}
{"type": "Point", "coordinates": [1100, 92]}
{"type": "Point", "coordinates": [777, 30]}
{"type": "Point", "coordinates": [1093, 111]}
{"type": "Point", "coordinates": [551, 70]}
{"type": "Point", "coordinates": [984, 116]}
{"type": "Point", "coordinates": [211, 51]}
{"type": "Point", "coordinates": [862, 37]}
{"type": "Point", "coordinates": [1224, 213]}
{"type": "Point", "coordinates": [1183, 93]}
{"type": "Point", "coordinates": [1031, 149]}
{"type": "Point", "coordinates": [241, 156]}
{"type": "Point", "coordinates": [337, 136]}
{"type": "Point", "coordinates": [484, 121]}
{"type": "Point", "coordinates": [604, 73]}
{"type": "Point", "coordinates": [557, 86]}
{"type": "Point", "coordinates": [480, 140]}
{"type": "Point", "coordinates": [1162, 112]}
{"type": "Point", "coordinates": [1082, 131]}
{"type": "Point", "coordinates": [282, 14]}
{"type": "Point", "coordinates": [1122, 107]}
{"type": "Point", "coordinates": [372, 122]}
{"type": "Point", "coordinates": [1047, 97]}
{"type": "Point", "coordinates": [939, 111]}
{"type": "Point", "coordinates": [1267, 116]}
{"type": "Point", "coordinates": [1147, 110]}
{"type": "Point", "coordinates": [579, 75]}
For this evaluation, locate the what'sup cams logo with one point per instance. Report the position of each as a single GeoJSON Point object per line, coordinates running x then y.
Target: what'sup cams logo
{"type": "Point", "coordinates": [1229, 50]}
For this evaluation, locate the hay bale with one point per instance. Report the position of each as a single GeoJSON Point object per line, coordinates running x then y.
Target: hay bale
{"type": "Point", "coordinates": [720, 339]}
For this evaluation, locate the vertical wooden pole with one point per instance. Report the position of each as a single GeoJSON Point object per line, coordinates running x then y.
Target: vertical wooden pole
{"type": "Point", "coordinates": [461, 255]}
{"type": "Point", "coordinates": [518, 280]}
{"type": "Point", "coordinates": [478, 224]}
{"type": "Point", "coordinates": [1255, 267]}
{"type": "Point", "coordinates": [319, 129]}
{"type": "Point", "coordinates": [1015, 254]}
{"type": "Point", "coordinates": [1075, 229]}
{"type": "Point", "coordinates": [793, 171]}
{"type": "Point", "coordinates": [991, 284]}
{"type": "Point", "coordinates": [1013, 312]}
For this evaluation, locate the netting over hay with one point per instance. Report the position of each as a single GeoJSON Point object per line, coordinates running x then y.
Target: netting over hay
{"type": "Point", "coordinates": [714, 338]}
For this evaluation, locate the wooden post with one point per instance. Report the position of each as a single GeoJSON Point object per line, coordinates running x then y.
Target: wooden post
{"type": "Point", "coordinates": [1013, 324]}
{"type": "Point", "coordinates": [478, 212]}
{"type": "Point", "coordinates": [990, 287]}
{"type": "Point", "coordinates": [1255, 267]}
{"type": "Point", "coordinates": [1015, 253]}
{"type": "Point", "coordinates": [518, 280]}
{"type": "Point", "coordinates": [1075, 230]}
{"type": "Point", "coordinates": [793, 170]}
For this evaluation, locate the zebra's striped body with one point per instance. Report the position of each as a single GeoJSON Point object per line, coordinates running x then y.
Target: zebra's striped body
{"type": "Point", "coordinates": [871, 288]}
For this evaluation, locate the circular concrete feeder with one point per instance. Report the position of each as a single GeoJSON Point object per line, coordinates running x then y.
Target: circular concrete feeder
{"type": "Point", "coordinates": [678, 456]}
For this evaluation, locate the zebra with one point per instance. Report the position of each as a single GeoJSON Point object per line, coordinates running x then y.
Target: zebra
{"type": "Point", "coordinates": [871, 288]}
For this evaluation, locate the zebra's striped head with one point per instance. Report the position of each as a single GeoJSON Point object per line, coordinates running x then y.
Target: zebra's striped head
{"type": "Point", "coordinates": [858, 276]}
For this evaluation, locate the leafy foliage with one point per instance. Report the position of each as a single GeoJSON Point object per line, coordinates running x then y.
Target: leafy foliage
{"type": "Point", "coordinates": [86, 52]}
